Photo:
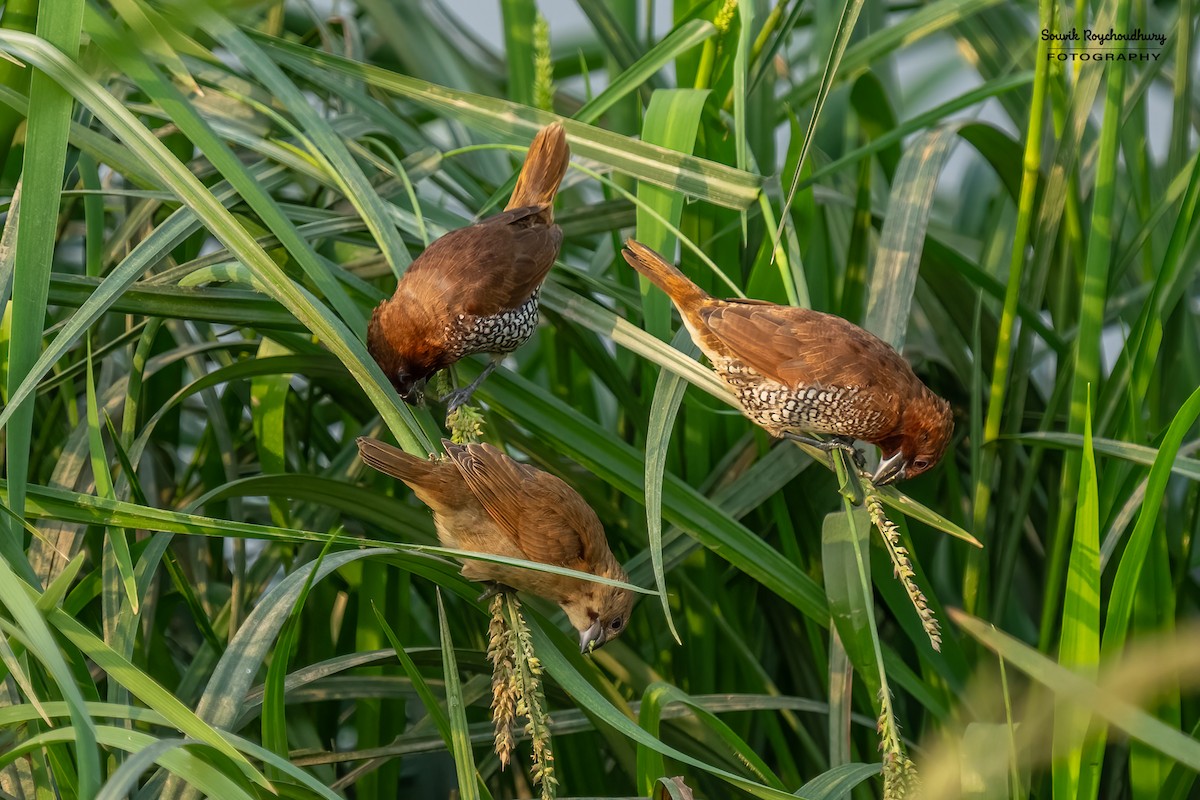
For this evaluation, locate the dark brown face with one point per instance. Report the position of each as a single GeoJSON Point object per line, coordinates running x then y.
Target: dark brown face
{"type": "Point", "coordinates": [927, 428]}
{"type": "Point", "coordinates": [402, 351]}
{"type": "Point", "coordinates": [410, 387]}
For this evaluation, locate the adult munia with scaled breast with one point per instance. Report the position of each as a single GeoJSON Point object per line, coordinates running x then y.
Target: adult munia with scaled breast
{"type": "Point", "coordinates": [486, 502]}
{"type": "Point", "coordinates": [795, 370]}
{"type": "Point", "coordinates": [475, 290]}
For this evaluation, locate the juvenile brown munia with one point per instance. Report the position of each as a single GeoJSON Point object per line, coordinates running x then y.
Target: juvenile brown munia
{"type": "Point", "coordinates": [486, 502]}
{"type": "Point", "coordinates": [795, 370]}
{"type": "Point", "coordinates": [475, 290]}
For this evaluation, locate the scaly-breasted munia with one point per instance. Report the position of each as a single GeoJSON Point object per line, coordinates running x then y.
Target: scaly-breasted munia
{"type": "Point", "coordinates": [795, 370]}
{"type": "Point", "coordinates": [475, 290]}
{"type": "Point", "coordinates": [486, 502]}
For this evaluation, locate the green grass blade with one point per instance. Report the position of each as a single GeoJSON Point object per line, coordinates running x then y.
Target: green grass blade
{"type": "Point", "coordinates": [841, 38]}
{"type": "Point", "coordinates": [846, 559]}
{"type": "Point", "coordinates": [18, 598]}
{"type": "Point", "coordinates": [32, 259]}
{"type": "Point", "coordinates": [837, 782]}
{"type": "Point", "coordinates": [556, 656]}
{"type": "Point", "coordinates": [1091, 309]}
{"type": "Point", "coordinates": [1120, 601]}
{"type": "Point", "coordinates": [674, 44]}
{"type": "Point", "coordinates": [1127, 451]}
{"type": "Point", "coordinates": [1080, 646]}
{"type": "Point", "coordinates": [668, 394]}
{"type": "Point", "coordinates": [327, 146]}
{"type": "Point", "coordinates": [518, 17]}
{"type": "Point", "coordinates": [672, 121]}
{"type": "Point", "coordinates": [456, 713]}
{"type": "Point", "coordinates": [894, 275]}
{"type": "Point", "coordinates": [695, 177]}
{"type": "Point", "coordinates": [651, 767]}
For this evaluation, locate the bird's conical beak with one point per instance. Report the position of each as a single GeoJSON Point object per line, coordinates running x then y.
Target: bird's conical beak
{"type": "Point", "coordinates": [890, 469]}
{"type": "Point", "coordinates": [591, 638]}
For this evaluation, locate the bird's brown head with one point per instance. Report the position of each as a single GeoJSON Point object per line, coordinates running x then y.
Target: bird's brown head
{"type": "Point", "coordinates": [599, 611]}
{"type": "Point", "coordinates": [401, 340]}
{"type": "Point", "coordinates": [925, 430]}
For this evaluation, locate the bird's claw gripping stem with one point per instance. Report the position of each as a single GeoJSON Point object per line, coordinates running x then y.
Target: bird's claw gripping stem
{"type": "Point", "coordinates": [460, 397]}
{"type": "Point", "coordinates": [829, 445]}
{"type": "Point", "coordinates": [493, 588]}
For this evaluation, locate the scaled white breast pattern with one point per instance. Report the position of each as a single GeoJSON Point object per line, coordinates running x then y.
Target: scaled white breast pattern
{"type": "Point", "coordinates": [778, 407]}
{"type": "Point", "coordinates": [498, 333]}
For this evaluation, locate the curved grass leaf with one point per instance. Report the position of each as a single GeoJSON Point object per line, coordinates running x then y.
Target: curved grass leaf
{"type": "Point", "coordinates": [47, 503]}
{"type": "Point", "coordinates": [695, 177]}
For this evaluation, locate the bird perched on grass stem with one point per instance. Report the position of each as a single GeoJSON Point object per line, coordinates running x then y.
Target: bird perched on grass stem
{"type": "Point", "coordinates": [795, 370]}
{"type": "Point", "coordinates": [475, 290]}
{"type": "Point", "coordinates": [486, 502]}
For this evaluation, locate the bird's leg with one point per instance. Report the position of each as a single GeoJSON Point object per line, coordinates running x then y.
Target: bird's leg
{"type": "Point", "coordinates": [828, 445]}
{"type": "Point", "coordinates": [460, 397]}
{"type": "Point", "coordinates": [493, 588]}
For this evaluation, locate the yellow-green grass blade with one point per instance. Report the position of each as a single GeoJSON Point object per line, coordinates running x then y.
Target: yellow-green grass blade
{"type": "Point", "coordinates": [1121, 598]}
{"type": "Point", "coordinates": [894, 273]}
{"type": "Point", "coordinates": [845, 557]}
{"type": "Point", "coordinates": [1079, 650]}
{"type": "Point", "coordinates": [1087, 366]}
{"type": "Point", "coordinates": [149, 691]}
{"type": "Point", "coordinates": [1127, 451]}
{"type": "Point", "coordinates": [1144, 344]}
{"type": "Point", "coordinates": [668, 394]}
{"type": "Point", "coordinates": [268, 412]}
{"type": "Point", "coordinates": [518, 17]}
{"type": "Point", "coordinates": [274, 717]}
{"type": "Point", "coordinates": [19, 714]}
{"type": "Point", "coordinates": [1083, 692]}
{"type": "Point", "coordinates": [188, 118]}
{"type": "Point", "coordinates": [36, 234]}
{"type": "Point", "coordinates": [221, 702]}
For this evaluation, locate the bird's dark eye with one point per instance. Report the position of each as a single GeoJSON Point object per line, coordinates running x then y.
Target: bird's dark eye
{"type": "Point", "coordinates": [920, 463]}
{"type": "Point", "coordinates": [616, 624]}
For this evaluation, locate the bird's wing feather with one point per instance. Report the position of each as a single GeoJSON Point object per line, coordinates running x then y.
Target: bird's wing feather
{"type": "Point", "coordinates": [538, 512]}
{"type": "Point", "coordinates": [489, 267]}
{"type": "Point", "coordinates": [800, 347]}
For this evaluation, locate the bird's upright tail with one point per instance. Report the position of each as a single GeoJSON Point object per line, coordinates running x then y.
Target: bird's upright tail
{"type": "Point", "coordinates": [544, 168]}
{"type": "Point", "coordinates": [393, 461]}
{"type": "Point", "coordinates": [436, 483]}
{"type": "Point", "coordinates": [666, 276]}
